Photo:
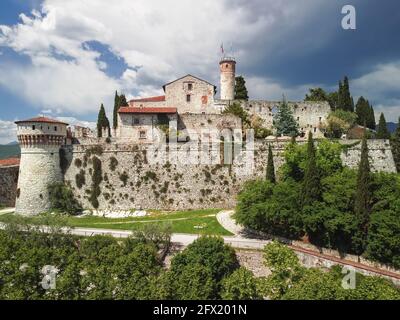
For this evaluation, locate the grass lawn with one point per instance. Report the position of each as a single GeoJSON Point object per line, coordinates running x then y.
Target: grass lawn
{"type": "Point", "coordinates": [193, 222]}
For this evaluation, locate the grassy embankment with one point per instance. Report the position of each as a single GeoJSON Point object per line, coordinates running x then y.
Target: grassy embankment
{"type": "Point", "coordinates": [192, 222]}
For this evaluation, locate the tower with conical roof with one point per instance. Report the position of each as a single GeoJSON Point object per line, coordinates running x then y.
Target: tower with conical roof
{"type": "Point", "coordinates": [40, 140]}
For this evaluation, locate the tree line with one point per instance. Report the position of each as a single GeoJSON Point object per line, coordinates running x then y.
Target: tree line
{"type": "Point", "coordinates": [317, 199]}
{"type": "Point", "coordinates": [104, 268]}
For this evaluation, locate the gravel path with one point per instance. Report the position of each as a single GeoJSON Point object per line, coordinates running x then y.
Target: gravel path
{"type": "Point", "coordinates": [225, 220]}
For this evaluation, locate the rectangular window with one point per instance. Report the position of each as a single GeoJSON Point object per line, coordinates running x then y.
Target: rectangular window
{"type": "Point", "coordinates": [190, 86]}
{"type": "Point", "coordinates": [315, 130]}
{"type": "Point", "coordinates": [188, 98]}
{"type": "Point", "coordinates": [55, 128]}
{"type": "Point", "coordinates": [136, 120]}
{"type": "Point", "coordinates": [33, 127]}
{"type": "Point", "coordinates": [142, 134]}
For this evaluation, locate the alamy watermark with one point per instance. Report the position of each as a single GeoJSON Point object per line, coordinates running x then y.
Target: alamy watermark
{"type": "Point", "coordinates": [349, 21]}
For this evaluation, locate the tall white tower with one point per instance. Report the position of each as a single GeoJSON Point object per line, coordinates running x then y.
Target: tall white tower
{"type": "Point", "coordinates": [40, 139]}
{"type": "Point", "coordinates": [228, 70]}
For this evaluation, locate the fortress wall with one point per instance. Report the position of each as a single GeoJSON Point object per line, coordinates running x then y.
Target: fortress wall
{"type": "Point", "coordinates": [8, 185]}
{"type": "Point", "coordinates": [39, 168]}
{"type": "Point", "coordinates": [169, 180]}
{"type": "Point", "coordinates": [380, 155]}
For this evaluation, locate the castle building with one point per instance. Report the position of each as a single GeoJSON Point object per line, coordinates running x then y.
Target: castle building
{"type": "Point", "coordinates": [189, 99]}
{"type": "Point", "coordinates": [40, 140]}
{"type": "Point", "coordinates": [189, 103]}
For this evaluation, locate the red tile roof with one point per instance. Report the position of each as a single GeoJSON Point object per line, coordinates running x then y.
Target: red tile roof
{"type": "Point", "coordinates": [42, 119]}
{"type": "Point", "coordinates": [147, 110]}
{"type": "Point", "coordinates": [150, 99]}
{"type": "Point", "coordinates": [9, 162]}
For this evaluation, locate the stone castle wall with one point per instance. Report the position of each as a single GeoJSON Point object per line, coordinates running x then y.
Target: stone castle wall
{"type": "Point", "coordinates": [39, 168]}
{"type": "Point", "coordinates": [8, 185]}
{"type": "Point", "coordinates": [146, 177]}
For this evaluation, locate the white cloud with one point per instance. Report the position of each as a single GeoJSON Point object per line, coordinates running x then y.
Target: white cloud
{"type": "Point", "coordinates": [159, 40]}
{"type": "Point", "coordinates": [263, 88]}
{"type": "Point", "coordinates": [378, 86]}
{"type": "Point", "coordinates": [8, 131]}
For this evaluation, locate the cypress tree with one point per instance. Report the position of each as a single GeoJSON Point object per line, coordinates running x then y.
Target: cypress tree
{"type": "Point", "coordinates": [383, 132]}
{"type": "Point", "coordinates": [371, 122]}
{"type": "Point", "coordinates": [311, 190]}
{"type": "Point", "coordinates": [116, 108]}
{"type": "Point", "coordinates": [362, 111]}
{"type": "Point", "coordinates": [240, 89]}
{"type": "Point", "coordinates": [395, 144]}
{"type": "Point", "coordinates": [340, 101]}
{"type": "Point", "coordinates": [362, 197]}
{"type": "Point", "coordinates": [102, 122]}
{"type": "Point", "coordinates": [122, 101]}
{"type": "Point", "coordinates": [270, 166]}
{"type": "Point", "coordinates": [347, 100]}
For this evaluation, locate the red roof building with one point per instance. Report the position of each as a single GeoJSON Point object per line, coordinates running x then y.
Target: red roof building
{"type": "Point", "coordinates": [147, 110]}
{"type": "Point", "coordinates": [42, 119]}
{"type": "Point", "coordinates": [150, 99]}
{"type": "Point", "coordinates": [9, 162]}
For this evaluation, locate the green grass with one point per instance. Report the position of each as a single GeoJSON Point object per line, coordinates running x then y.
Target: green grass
{"type": "Point", "coordinates": [180, 221]}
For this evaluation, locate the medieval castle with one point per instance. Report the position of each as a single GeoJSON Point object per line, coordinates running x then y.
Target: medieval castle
{"type": "Point", "coordinates": [127, 174]}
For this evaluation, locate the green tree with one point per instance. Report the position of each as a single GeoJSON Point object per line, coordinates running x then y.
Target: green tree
{"type": "Point", "coordinates": [240, 89]}
{"type": "Point", "coordinates": [212, 254]}
{"type": "Point", "coordinates": [382, 132]}
{"type": "Point", "coordinates": [317, 94]}
{"type": "Point", "coordinates": [339, 122]}
{"type": "Point", "coordinates": [237, 110]}
{"type": "Point", "coordinates": [345, 101]}
{"type": "Point", "coordinates": [284, 121]}
{"type": "Point", "coordinates": [115, 111]}
{"type": "Point", "coordinates": [395, 144]}
{"type": "Point", "coordinates": [363, 111]}
{"type": "Point", "coordinates": [311, 190]}
{"type": "Point", "coordinates": [371, 123]}
{"type": "Point", "coordinates": [122, 101]}
{"type": "Point", "coordinates": [63, 200]}
{"type": "Point", "coordinates": [240, 285]}
{"type": "Point", "coordinates": [102, 122]}
{"type": "Point", "coordinates": [194, 281]}
{"type": "Point", "coordinates": [362, 202]}
{"type": "Point", "coordinates": [285, 270]}
{"type": "Point", "coordinates": [270, 166]}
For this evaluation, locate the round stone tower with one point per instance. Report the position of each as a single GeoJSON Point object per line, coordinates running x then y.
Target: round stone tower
{"type": "Point", "coordinates": [40, 140]}
{"type": "Point", "coordinates": [228, 69]}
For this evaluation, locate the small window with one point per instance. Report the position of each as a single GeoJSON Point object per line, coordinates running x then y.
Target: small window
{"type": "Point", "coordinates": [315, 130]}
{"type": "Point", "coordinates": [298, 118]}
{"type": "Point", "coordinates": [55, 128]}
{"type": "Point", "coordinates": [136, 120]}
{"type": "Point", "coordinates": [188, 98]}
{"type": "Point", "coordinates": [190, 86]}
{"type": "Point", "coordinates": [33, 127]}
{"type": "Point", "coordinates": [320, 119]}
{"type": "Point", "coordinates": [142, 134]}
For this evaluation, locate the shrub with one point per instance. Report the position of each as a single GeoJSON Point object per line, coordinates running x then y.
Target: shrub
{"type": "Point", "coordinates": [62, 199]}
{"type": "Point", "coordinates": [124, 178]}
{"type": "Point", "coordinates": [80, 179]}
{"type": "Point", "coordinates": [211, 253]}
{"type": "Point", "coordinates": [113, 163]}
{"type": "Point", "coordinates": [96, 180]}
{"type": "Point", "coordinates": [78, 162]}
{"type": "Point", "coordinates": [240, 285]}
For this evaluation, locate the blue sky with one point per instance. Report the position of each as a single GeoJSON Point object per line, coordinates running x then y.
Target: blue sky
{"type": "Point", "coordinates": [64, 58]}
